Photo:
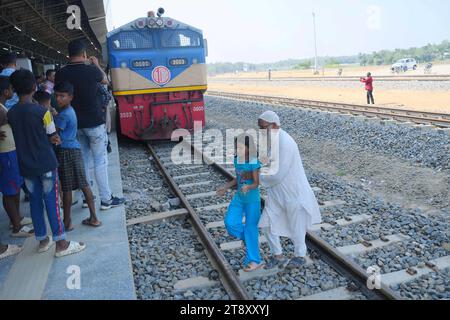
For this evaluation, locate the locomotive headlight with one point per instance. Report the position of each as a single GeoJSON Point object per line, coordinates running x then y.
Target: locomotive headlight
{"type": "Point", "coordinates": [123, 65]}
{"type": "Point", "coordinates": [194, 61]}
{"type": "Point", "coordinates": [159, 22]}
{"type": "Point", "coordinates": [151, 22]}
{"type": "Point", "coordinates": [140, 23]}
{"type": "Point", "coordinates": [178, 62]}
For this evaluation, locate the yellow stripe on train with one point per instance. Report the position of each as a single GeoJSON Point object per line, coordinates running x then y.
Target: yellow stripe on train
{"type": "Point", "coordinates": [144, 91]}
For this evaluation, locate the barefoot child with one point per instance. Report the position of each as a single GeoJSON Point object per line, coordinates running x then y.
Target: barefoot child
{"type": "Point", "coordinates": [71, 168]}
{"type": "Point", "coordinates": [246, 201]}
{"type": "Point", "coordinates": [34, 132]}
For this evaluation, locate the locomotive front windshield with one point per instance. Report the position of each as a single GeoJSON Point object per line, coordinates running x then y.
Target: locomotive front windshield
{"type": "Point", "coordinates": [146, 39]}
{"type": "Point", "coordinates": [179, 38]}
{"type": "Point", "coordinates": [133, 40]}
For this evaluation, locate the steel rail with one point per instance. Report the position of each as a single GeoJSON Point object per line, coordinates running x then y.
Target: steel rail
{"type": "Point", "coordinates": [322, 80]}
{"type": "Point", "coordinates": [431, 77]}
{"type": "Point", "coordinates": [437, 119]}
{"type": "Point", "coordinates": [229, 279]}
{"type": "Point", "coordinates": [338, 261]}
{"type": "Point", "coordinates": [349, 268]}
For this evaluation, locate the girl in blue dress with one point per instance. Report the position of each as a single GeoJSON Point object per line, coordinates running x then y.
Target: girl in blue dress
{"type": "Point", "coordinates": [246, 202]}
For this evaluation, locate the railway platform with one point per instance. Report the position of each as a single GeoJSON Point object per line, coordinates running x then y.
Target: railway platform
{"type": "Point", "coordinates": [102, 271]}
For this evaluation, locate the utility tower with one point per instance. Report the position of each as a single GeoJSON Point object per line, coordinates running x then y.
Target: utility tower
{"type": "Point", "coordinates": [315, 43]}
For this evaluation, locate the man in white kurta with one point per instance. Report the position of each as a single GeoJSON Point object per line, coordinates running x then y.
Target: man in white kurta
{"type": "Point", "coordinates": [291, 206]}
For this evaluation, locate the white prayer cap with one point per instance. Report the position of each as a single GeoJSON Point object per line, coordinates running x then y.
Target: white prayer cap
{"type": "Point", "coordinates": [270, 117]}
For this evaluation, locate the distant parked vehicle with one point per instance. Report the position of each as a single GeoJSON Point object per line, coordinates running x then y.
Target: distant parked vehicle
{"type": "Point", "coordinates": [404, 65]}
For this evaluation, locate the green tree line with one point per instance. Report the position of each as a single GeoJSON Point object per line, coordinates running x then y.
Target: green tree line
{"type": "Point", "coordinates": [428, 53]}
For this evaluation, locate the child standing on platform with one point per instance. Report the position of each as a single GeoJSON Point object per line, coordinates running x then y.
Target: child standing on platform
{"type": "Point", "coordinates": [45, 99]}
{"type": "Point", "coordinates": [10, 179]}
{"type": "Point", "coordinates": [34, 131]}
{"type": "Point", "coordinates": [71, 168]}
{"type": "Point", "coordinates": [246, 202]}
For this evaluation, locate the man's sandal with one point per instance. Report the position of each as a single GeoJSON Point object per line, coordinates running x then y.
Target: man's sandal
{"type": "Point", "coordinates": [47, 247]}
{"type": "Point", "coordinates": [74, 247]}
{"type": "Point", "coordinates": [24, 232]}
{"type": "Point", "coordinates": [10, 251]}
{"type": "Point", "coordinates": [24, 222]}
{"type": "Point", "coordinates": [87, 222]}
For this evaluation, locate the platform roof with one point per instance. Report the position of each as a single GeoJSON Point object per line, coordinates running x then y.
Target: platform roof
{"type": "Point", "coordinates": [38, 28]}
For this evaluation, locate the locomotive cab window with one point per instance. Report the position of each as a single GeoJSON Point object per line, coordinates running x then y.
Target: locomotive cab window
{"type": "Point", "coordinates": [139, 39]}
{"type": "Point", "coordinates": [180, 38]}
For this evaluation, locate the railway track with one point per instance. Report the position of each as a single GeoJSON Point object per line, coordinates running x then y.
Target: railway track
{"type": "Point", "coordinates": [345, 78]}
{"type": "Point", "coordinates": [441, 120]}
{"type": "Point", "coordinates": [202, 181]}
{"type": "Point", "coordinates": [229, 279]}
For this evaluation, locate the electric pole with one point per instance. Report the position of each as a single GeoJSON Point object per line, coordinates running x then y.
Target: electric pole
{"type": "Point", "coordinates": [315, 43]}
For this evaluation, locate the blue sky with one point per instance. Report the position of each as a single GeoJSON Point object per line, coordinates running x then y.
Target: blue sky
{"type": "Point", "coordinates": [265, 31]}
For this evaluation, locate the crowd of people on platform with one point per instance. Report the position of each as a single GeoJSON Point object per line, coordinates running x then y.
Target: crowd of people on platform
{"type": "Point", "coordinates": [53, 131]}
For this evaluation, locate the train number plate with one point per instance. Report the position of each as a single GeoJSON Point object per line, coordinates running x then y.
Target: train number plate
{"type": "Point", "coordinates": [126, 115]}
{"type": "Point", "coordinates": [198, 109]}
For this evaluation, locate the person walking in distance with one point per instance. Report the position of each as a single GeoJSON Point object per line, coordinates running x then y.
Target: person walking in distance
{"type": "Point", "coordinates": [369, 87]}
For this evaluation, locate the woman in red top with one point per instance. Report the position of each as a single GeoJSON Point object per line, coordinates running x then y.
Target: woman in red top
{"type": "Point", "coordinates": [369, 87]}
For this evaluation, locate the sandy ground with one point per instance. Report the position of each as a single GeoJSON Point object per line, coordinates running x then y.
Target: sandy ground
{"type": "Point", "coordinates": [423, 100]}
{"type": "Point", "coordinates": [438, 69]}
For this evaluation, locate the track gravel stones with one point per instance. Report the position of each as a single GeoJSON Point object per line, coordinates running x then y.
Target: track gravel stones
{"type": "Point", "coordinates": [427, 233]}
{"type": "Point", "coordinates": [277, 286]}
{"type": "Point", "coordinates": [428, 287]}
{"type": "Point", "coordinates": [143, 185]}
{"type": "Point", "coordinates": [402, 164]}
{"type": "Point", "coordinates": [409, 254]}
{"type": "Point", "coordinates": [164, 253]}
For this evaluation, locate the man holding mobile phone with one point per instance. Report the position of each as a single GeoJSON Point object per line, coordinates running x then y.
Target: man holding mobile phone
{"type": "Point", "coordinates": [85, 74]}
